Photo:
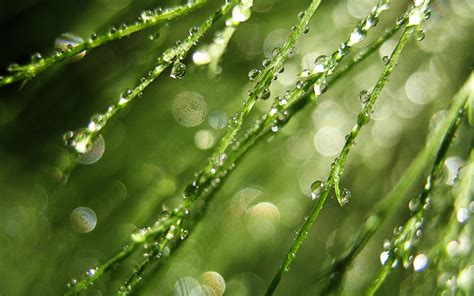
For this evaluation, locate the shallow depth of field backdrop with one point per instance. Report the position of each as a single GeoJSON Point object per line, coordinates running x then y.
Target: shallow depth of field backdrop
{"type": "Point", "coordinates": [155, 146]}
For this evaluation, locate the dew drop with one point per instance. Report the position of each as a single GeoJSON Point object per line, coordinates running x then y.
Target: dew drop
{"type": "Point", "coordinates": [83, 219]}
{"type": "Point", "coordinates": [420, 34]}
{"type": "Point", "coordinates": [345, 196]}
{"type": "Point", "coordinates": [317, 188]}
{"type": "Point", "coordinates": [253, 74]}
{"type": "Point", "coordinates": [36, 57]}
{"type": "Point", "coordinates": [386, 60]}
{"type": "Point", "coordinates": [320, 64]}
{"type": "Point", "coordinates": [462, 215]}
{"type": "Point", "coordinates": [386, 244]}
{"type": "Point", "coordinates": [67, 41]}
{"type": "Point", "coordinates": [320, 86]}
{"type": "Point", "coordinates": [364, 97]}
{"type": "Point", "coordinates": [265, 94]}
{"type": "Point", "coordinates": [154, 36]}
{"type": "Point", "coordinates": [358, 35]}
{"type": "Point", "coordinates": [384, 257]}
{"type": "Point", "coordinates": [178, 70]}
{"type": "Point", "coordinates": [420, 262]}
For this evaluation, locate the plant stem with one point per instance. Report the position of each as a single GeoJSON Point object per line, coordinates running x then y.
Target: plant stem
{"type": "Point", "coordinates": [83, 138]}
{"type": "Point", "coordinates": [409, 233]}
{"type": "Point", "coordinates": [338, 165]}
{"type": "Point", "coordinates": [147, 20]}
{"type": "Point", "coordinates": [397, 195]}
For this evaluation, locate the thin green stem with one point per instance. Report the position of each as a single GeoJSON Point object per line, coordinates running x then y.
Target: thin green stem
{"type": "Point", "coordinates": [397, 195]}
{"type": "Point", "coordinates": [147, 20]}
{"type": "Point", "coordinates": [83, 138]}
{"type": "Point", "coordinates": [402, 244]}
{"type": "Point", "coordinates": [338, 165]}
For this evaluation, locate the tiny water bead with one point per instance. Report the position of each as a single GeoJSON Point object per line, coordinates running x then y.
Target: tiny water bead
{"type": "Point", "coordinates": [384, 257]}
{"type": "Point", "coordinates": [420, 262]}
{"type": "Point", "coordinates": [364, 97]}
{"type": "Point", "coordinates": [317, 188]}
{"type": "Point", "coordinates": [253, 74]}
{"type": "Point", "coordinates": [385, 60]}
{"type": "Point", "coordinates": [83, 219]}
{"type": "Point", "coordinates": [189, 109]}
{"type": "Point", "coordinates": [94, 153]}
{"type": "Point", "coordinates": [345, 196]}
{"type": "Point", "coordinates": [462, 215]}
{"type": "Point", "coordinates": [67, 41]}
{"type": "Point", "coordinates": [178, 71]}
{"type": "Point", "coordinates": [214, 280]}
{"type": "Point", "coordinates": [320, 64]}
{"type": "Point", "coordinates": [358, 35]}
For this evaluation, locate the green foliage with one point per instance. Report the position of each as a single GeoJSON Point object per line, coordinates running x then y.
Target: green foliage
{"type": "Point", "coordinates": [119, 200]}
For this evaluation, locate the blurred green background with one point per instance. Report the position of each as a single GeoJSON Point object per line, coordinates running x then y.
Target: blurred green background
{"type": "Point", "coordinates": [149, 156]}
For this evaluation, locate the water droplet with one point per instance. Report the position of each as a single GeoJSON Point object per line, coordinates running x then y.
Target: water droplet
{"type": "Point", "coordinates": [386, 244]}
{"type": "Point", "coordinates": [240, 13]}
{"type": "Point", "coordinates": [83, 219]}
{"type": "Point", "coordinates": [154, 36]}
{"type": "Point", "coordinates": [420, 262]}
{"type": "Point", "coordinates": [343, 50]}
{"type": "Point", "coordinates": [253, 74]}
{"type": "Point", "coordinates": [358, 35]}
{"type": "Point", "coordinates": [72, 283]}
{"type": "Point", "coordinates": [178, 70]}
{"type": "Point", "coordinates": [345, 196]}
{"type": "Point", "coordinates": [414, 204]}
{"type": "Point", "coordinates": [384, 257]}
{"type": "Point", "coordinates": [36, 57]}
{"type": "Point", "coordinates": [265, 94]}
{"type": "Point", "coordinates": [193, 30]}
{"type": "Point", "coordinates": [364, 97]}
{"type": "Point", "coordinates": [300, 14]}
{"type": "Point", "coordinates": [266, 62]}
{"type": "Point", "coordinates": [320, 86]}
{"type": "Point", "coordinates": [416, 17]}
{"type": "Point", "coordinates": [320, 64]}
{"type": "Point", "coordinates": [140, 235]}
{"type": "Point", "coordinates": [462, 215]}
{"type": "Point", "coordinates": [420, 34]}
{"type": "Point", "coordinates": [183, 234]}
{"type": "Point", "coordinates": [386, 60]}
{"type": "Point", "coordinates": [67, 41]}
{"type": "Point", "coordinates": [317, 188]}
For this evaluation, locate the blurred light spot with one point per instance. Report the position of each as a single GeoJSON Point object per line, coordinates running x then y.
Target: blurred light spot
{"type": "Point", "coordinates": [39, 198]}
{"type": "Point", "coordinates": [452, 248]}
{"type": "Point", "coordinates": [289, 76]}
{"type": "Point", "coordinates": [262, 221]}
{"type": "Point", "coordinates": [387, 48]}
{"type": "Point", "coordinates": [189, 109]}
{"type": "Point", "coordinates": [204, 139]}
{"type": "Point", "coordinates": [387, 132]}
{"type": "Point", "coordinates": [94, 153]}
{"type": "Point", "coordinates": [328, 141]}
{"type": "Point", "coordinates": [218, 120]}
{"type": "Point", "coordinates": [263, 5]}
{"type": "Point", "coordinates": [421, 88]}
{"type": "Point", "coordinates": [465, 278]}
{"type": "Point", "coordinates": [184, 286]}
{"type": "Point", "coordinates": [242, 201]}
{"type": "Point", "coordinates": [273, 40]}
{"type": "Point", "coordinates": [359, 8]}
{"type": "Point", "coordinates": [300, 144]}
{"type": "Point", "coordinates": [83, 219]}
{"type": "Point", "coordinates": [383, 106]}
{"type": "Point", "coordinates": [215, 281]}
